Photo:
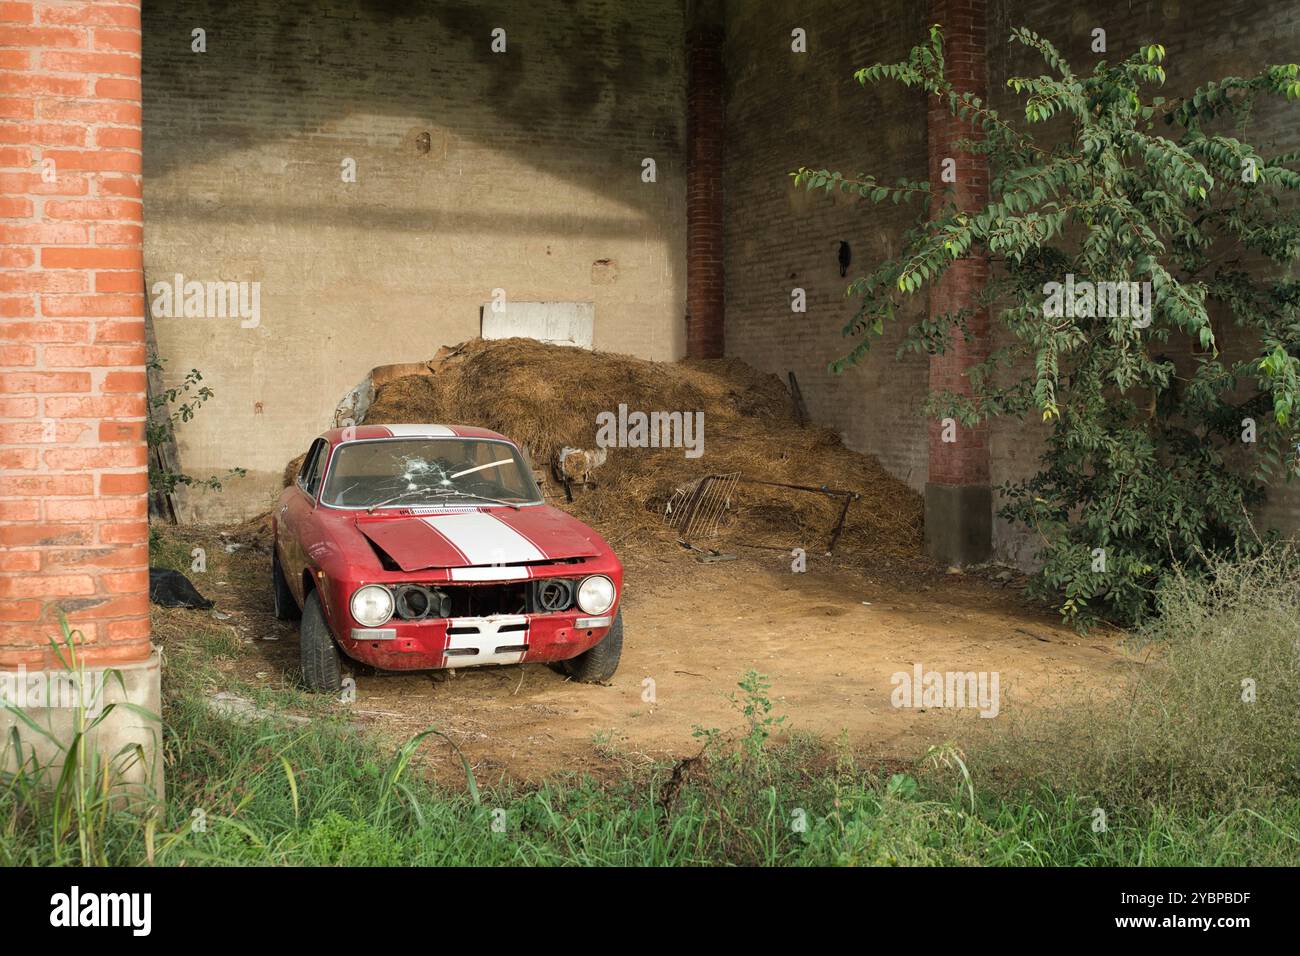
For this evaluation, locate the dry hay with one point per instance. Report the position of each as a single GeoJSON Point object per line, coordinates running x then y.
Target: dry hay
{"type": "Point", "coordinates": [291, 470]}
{"type": "Point", "coordinates": [255, 533]}
{"type": "Point", "coordinates": [546, 397]}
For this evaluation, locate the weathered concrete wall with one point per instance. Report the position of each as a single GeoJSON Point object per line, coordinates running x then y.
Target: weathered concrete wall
{"type": "Point", "coordinates": [126, 741]}
{"type": "Point", "coordinates": [530, 171]}
{"type": "Point", "coordinates": [786, 109]}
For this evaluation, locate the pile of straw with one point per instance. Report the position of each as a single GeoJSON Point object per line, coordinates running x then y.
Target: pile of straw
{"type": "Point", "coordinates": [546, 397]}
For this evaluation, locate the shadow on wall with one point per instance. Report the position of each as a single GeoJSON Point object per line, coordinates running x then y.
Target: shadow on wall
{"type": "Point", "coordinates": [590, 77]}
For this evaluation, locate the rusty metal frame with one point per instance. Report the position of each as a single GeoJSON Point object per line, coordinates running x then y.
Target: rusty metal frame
{"type": "Point", "coordinates": [700, 509]}
{"type": "Point", "coordinates": [684, 517]}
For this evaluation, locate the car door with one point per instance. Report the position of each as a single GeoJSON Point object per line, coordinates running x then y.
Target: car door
{"type": "Point", "coordinates": [296, 516]}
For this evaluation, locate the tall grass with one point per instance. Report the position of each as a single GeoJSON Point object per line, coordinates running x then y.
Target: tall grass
{"type": "Point", "coordinates": [71, 795]}
{"type": "Point", "coordinates": [1185, 770]}
{"type": "Point", "coordinates": [1209, 725]}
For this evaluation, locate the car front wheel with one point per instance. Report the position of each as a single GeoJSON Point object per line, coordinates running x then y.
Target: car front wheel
{"type": "Point", "coordinates": [321, 668]}
{"type": "Point", "coordinates": [596, 665]}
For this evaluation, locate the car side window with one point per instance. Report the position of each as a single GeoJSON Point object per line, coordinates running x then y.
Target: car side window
{"type": "Point", "coordinates": [309, 476]}
{"type": "Point", "coordinates": [317, 470]}
{"type": "Point", "coordinates": [307, 459]}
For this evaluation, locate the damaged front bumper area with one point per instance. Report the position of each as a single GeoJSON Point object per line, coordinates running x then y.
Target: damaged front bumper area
{"type": "Point", "coordinates": [446, 624]}
{"type": "Point", "coordinates": [436, 643]}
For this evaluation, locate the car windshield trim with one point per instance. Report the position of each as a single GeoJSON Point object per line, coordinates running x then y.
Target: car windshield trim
{"type": "Point", "coordinates": [438, 493]}
{"type": "Point", "coordinates": [461, 500]}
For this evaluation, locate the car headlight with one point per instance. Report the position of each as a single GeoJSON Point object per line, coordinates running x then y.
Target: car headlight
{"type": "Point", "coordinates": [596, 594]}
{"type": "Point", "coordinates": [372, 605]}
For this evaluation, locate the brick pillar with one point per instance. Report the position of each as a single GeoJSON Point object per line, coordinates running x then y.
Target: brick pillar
{"type": "Point", "coordinates": [958, 495]}
{"type": "Point", "coordinates": [73, 525]}
{"type": "Point", "coordinates": [705, 303]}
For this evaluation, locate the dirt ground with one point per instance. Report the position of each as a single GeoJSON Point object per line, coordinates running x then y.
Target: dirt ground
{"type": "Point", "coordinates": [828, 640]}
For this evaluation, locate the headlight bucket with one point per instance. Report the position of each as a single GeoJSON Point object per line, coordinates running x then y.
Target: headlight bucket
{"type": "Point", "coordinates": [596, 594]}
{"type": "Point", "coordinates": [371, 605]}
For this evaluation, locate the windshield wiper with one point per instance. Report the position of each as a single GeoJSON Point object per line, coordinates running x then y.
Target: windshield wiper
{"type": "Point", "coordinates": [399, 497]}
{"type": "Point", "coordinates": [491, 464]}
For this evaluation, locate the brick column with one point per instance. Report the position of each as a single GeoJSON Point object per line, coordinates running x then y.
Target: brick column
{"type": "Point", "coordinates": [705, 304]}
{"type": "Point", "coordinates": [73, 526]}
{"type": "Point", "coordinates": [958, 495]}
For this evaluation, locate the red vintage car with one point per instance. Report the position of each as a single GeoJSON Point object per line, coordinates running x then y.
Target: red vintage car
{"type": "Point", "coordinates": [413, 547]}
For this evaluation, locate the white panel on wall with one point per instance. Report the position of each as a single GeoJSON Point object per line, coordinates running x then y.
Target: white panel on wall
{"type": "Point", "coordinates": [560, 323]}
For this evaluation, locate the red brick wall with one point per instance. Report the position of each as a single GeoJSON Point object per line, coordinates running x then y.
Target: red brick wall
{"type": "Point", "coordinates": [966, 460]}
{"type": "Point", "coordinates": [73, 528]}
{"type": "Point", "coordinates": [705, 331]}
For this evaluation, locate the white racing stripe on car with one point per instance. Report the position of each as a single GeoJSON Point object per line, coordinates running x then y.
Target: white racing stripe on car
{"type": "Point", "coordinates": [490, 574]}
{"type": "Point", "coordinates": [420, 431]}
{"type": "Point", "coordinates": [483, 539]}
{"type": "Point", "coordinates": [485, 638]}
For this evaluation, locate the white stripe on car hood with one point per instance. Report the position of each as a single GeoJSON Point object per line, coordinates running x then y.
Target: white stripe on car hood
{"type": "Point", "coordinates": [420, 431]}
{"type": "Point", "coordinates": [483, 539]}
{"type": "Point", "coordinates": [489, 574]}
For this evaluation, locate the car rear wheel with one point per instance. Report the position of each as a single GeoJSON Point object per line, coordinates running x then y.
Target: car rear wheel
{"type": "Point", "coordinates": [286, 608]}
{"type": "Point", "coordinates": [598, 664]}
{"type": "Point", "coordinates": [321, 668]}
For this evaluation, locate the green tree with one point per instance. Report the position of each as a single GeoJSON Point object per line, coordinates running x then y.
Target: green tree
{"type": "Point", "coordinates": [1145, 459]}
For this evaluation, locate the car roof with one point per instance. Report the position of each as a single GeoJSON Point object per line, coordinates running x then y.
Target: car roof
{"type": "Point", "coordinates": [337, 436]}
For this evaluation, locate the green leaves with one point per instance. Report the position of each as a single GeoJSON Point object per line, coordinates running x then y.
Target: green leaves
{"type": "Point", "coordinates": [1282, 373]}
{"type": "Point", "coordinates": [1140, 412]}
{"type": "Point", "coordinates": [864, 186]}
{"type": "Point", "coordinates": [923, 67]}
{"type": "Point", "coordinates": [160, 429]}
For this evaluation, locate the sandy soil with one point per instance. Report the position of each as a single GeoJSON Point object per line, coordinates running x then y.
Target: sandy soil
{"type": "Point", "coordinates": [828, 640]}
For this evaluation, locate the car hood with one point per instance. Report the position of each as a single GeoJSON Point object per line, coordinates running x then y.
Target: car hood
{"type": "Point", "coordinates": [462, 539]}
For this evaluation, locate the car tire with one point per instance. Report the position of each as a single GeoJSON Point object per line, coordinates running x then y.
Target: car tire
{"type": "Point", "coordinates": [596, 665]}
{"type": "Point", "coordinates": [322, 670]}
{"type": "Point", "coordinates": [286, 608]}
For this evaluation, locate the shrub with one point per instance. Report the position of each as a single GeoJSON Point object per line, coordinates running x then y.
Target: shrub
{"type": "Point", "coordinates": [1143, 469]}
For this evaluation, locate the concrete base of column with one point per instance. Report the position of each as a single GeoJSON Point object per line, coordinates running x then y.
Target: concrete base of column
{"type": "Point", "coordinates": [959, 523]}
{"type": "Point", "coordinates": [130, 741]}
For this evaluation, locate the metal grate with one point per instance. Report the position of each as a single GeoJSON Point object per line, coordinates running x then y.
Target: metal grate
{"type": "Point", "coordinates": [696, 510]}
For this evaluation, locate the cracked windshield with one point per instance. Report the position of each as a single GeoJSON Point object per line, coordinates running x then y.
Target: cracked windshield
{"type": "Point", "coordinates": [420, 471]}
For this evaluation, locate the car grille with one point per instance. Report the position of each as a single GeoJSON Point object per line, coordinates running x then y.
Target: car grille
{"type": "Point", "coordinates": [418, 602]}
